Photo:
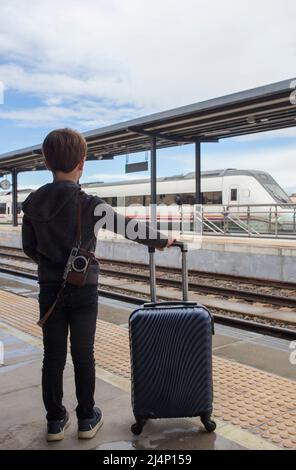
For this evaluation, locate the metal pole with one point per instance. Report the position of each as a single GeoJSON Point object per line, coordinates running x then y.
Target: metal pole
{"type": "Point", "coordinates": [153, 176]}
{"type": "Point", "coordinates": [198, 196]}
{"type": "Point", "coordinates": [152, 274]}
{"type": "Point", "coordinates": [185, 276]}
{"type": "Point", "coordinates": [14, 198]}
{"type": "Point", "coordinates": [249, 229]}
{"type": "Point", "coordinates": [153, 218]}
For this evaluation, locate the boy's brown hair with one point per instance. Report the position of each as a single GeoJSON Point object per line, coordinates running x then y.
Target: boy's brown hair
{"type": "Point", "coordinates": [63, 149]}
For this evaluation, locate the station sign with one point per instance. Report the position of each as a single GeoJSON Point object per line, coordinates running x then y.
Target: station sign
{"type": "Point", "coordinates": [136, 167]}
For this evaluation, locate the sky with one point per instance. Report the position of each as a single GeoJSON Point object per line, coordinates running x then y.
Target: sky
{"type": "Point", "coordinates": [89, 63]}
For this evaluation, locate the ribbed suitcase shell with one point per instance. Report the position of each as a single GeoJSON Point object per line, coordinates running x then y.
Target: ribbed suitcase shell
{"type": "Point", "coordinates": [171, 355]}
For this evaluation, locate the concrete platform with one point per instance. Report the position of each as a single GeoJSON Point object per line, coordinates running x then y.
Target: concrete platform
{"type": "Point", "coordinates": [253, 257]}
{"type": "Point", "coordinates": [23, 426]}
{"type": "Point", "coordinates": [254, 409]}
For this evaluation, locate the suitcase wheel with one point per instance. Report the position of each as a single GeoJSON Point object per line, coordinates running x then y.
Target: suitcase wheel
{"type": "Point", "coordinates": [208, 423]}
{"type": "Point", "coordinates": [137, 428]}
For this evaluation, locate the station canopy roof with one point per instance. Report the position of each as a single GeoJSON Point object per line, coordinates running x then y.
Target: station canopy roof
{"type": "Point", "coordinates": [262, 109]}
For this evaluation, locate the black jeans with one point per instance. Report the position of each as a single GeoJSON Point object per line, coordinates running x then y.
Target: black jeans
{"type": "Point", "coordinates": [76, 310]}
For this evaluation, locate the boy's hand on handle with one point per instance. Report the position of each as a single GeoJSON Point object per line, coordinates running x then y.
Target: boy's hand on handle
{"type": "Point", "coordinates": [170, 242]}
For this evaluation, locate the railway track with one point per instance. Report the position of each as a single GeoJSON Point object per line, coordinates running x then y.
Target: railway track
{"type": "Point", "coordinates": [280, 294]}
{"type": "Point", "coordinates": [220, 316]}
{"type": "Point", "coordinates": [271, 299]}
{"type": "Point", "coordinates": [17, 253]}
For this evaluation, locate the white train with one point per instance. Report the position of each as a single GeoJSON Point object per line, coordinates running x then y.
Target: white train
{"type": "Point", "coordinates": [223, 191]}
{"type": "Point", "coordinates": [222, 187]}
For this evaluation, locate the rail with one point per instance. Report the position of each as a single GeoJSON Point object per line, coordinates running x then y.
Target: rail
{"type": "Point", "coordinates": [221, 316]}
{"type": "Point", "coordinates": [249, 220]}
{"type": "Point", "coordinates": [256, 220]}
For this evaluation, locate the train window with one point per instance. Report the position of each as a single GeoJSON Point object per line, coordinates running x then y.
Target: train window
{"type": "Point", "coordinates": [129, 200]}
{"type": "Point", "coordinates": [2, 208]}
{"type": "Point", "coordinates": [170, 199]}
{"type": "Point", "coordinates": [185, 199]}
{"type": "Point", "coordinates": [161, 199]}
{"type": "Point", "coordinates": [264, 177]}
{"type": "Point", "coordinates": [214, 197]}
{"type": "Point", "coordinates": [112, 201]}
{"type": "Point", "coordinates": [188, 199]}
{"type": "Point", "coordinates": [107, 200]}
{"type": "Point", "coordinates": [233, 195]}
{"type": "Point", "coordinates": [166, 199]}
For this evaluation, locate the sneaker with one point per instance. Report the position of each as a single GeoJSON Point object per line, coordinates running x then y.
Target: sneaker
{"type": "Point", "coordinates": [87, 428]}
{"type": "Point", "coordinates": [56, 429]}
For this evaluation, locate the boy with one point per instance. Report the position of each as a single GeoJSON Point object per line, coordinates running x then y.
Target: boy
{"type": "Point", "coordinates": [48, 234]}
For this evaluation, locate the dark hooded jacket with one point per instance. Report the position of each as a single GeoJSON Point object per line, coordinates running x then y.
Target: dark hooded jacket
{"type": "Point", "coordinates": [50, 223]}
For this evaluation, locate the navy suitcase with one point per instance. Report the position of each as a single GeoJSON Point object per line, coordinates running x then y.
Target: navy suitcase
{"type": "Point", "coordinates": [171, 357]}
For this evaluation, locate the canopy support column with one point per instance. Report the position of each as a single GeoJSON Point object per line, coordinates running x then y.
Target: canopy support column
{"type": "Point", "coordinates": [14, 198]}
{"type": "Point", "coordinates": [198, 194]}
{"type": "Point", "coordinates": [153, 177]}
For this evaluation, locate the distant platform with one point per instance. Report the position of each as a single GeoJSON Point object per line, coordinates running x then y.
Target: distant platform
{"type": "Point", "coordinates": [261, 242]}
{"type": "Point", "coordinates": [208, 239]}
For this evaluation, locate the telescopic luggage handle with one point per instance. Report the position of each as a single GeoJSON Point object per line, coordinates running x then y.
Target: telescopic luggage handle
{"type": "Point", "coordinates": [152, 273]}
{"type": "Point", "coordinates": [183, 246]}
{"type": "Point", "coordinates": [184, 249]}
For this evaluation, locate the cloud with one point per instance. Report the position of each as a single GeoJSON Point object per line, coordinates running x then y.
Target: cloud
{"type": "Point", "coordinates": [89, 63]}
{"type": "Point", "coordinates": [61, 86]}
{"type": "Point", "coordinates": [84, 115]}
{"type": "Point", "coordinates": [279, 162]}
{"type": "Point", "coordinates": [149, 56]}
{"type": "Point", "coordinates": [1, 92]}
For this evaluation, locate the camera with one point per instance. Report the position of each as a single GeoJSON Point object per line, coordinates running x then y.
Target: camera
{"type": "Point", "coordinates": [77, 267]}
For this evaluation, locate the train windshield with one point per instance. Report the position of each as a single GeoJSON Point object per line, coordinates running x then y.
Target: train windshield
{"type": "Point", "coordinates": [274, 189]}
{"type": "Point", "coordinates": [278, 193]}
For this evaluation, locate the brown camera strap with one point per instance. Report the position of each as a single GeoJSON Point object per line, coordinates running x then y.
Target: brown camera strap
{"type": "Point", "coordinates": [49, 312]}
{"type": "Point", "coordinates": [78, 241]}
{"type": "Point", "coordinates": [79, 212]}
